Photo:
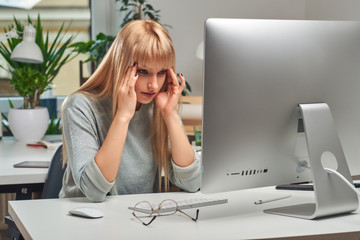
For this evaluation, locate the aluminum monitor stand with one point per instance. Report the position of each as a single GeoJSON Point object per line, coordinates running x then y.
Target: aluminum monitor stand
{"type": "Point", "coordinates": [332, 195]}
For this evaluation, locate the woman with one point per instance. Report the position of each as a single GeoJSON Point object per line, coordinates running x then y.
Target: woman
{"type": "Point", "coordinates": [121, 128]}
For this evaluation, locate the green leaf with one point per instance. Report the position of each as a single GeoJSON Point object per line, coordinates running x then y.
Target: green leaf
{"type": "Point", "coordinates": [148, 6]}
{"type": "Point", "coordinates": [150, 15]}
{"type": "Point", "coordinates": [6, 126]}
{"type": "Point", "coordinates": [11, 104]}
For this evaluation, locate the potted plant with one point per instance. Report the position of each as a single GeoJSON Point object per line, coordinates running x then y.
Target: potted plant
{"type": "Point", "coordinates": [31, 80]}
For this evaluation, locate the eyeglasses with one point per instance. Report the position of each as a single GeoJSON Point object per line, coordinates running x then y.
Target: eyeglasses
{"type": "Point", "coordinates": [167, 207]}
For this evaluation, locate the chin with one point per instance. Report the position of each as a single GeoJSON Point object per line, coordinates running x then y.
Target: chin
{"type": "Point", "coordinates": [145, 101]}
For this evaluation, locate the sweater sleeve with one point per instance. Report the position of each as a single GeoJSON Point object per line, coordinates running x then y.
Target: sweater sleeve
{"type": "Point", "coordinates": [187, 178]}
{"type": "Point", "coordinates": [82, 144]}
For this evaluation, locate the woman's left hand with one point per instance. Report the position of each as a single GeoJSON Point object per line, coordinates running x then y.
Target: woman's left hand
{"type": "Point", "coordinates": [167, 101]}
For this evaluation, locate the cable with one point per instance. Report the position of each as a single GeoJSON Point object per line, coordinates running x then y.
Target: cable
{"type": "Point", "coordinates": [344, 179]}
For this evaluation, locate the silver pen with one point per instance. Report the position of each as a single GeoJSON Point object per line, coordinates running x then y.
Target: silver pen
{"type": "Point", "coordinates": [271, 199]}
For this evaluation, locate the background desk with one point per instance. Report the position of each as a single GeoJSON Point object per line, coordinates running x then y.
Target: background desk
{"type": "Point", "coordinates": [240, 218]}
{"type": "Point", "coordinates": [191, 113]}
{"type": "Point", "coordinates": [22, 181]}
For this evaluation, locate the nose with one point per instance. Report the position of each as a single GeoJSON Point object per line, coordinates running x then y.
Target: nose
{"type": "Point", "coordinates": [153, 83]}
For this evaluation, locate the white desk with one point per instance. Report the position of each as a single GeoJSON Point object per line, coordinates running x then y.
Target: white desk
{"type": "Point", "coordinates": [21, 180]}
{"type": "Point", "coordinates": [238, 219]}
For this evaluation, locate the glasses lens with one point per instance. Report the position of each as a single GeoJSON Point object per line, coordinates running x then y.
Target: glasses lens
{"type": "Point", "coordinates": [143, 209]}
{"type": "Point", "coordinates": [167, 207]}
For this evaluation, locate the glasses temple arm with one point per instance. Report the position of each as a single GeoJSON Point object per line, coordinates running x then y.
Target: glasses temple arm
{"type": "Point", "coordinates": [194, 219]}
{"type": "Point", "coordinates": [147, 224]}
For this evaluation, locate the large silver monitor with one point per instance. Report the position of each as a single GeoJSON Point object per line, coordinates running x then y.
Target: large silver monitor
{"type": "Point", "coordinates": [256, 74]}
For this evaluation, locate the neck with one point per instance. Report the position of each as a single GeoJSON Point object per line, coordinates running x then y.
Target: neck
{"type": "Point", "coordinates": [138, 105]}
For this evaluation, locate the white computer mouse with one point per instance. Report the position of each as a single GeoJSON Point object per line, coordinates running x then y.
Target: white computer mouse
{"type": "Point", "coordinates": [88, 212]}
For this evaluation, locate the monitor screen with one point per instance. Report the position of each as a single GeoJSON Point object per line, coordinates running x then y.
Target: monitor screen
{"type": "Point", "coordinates": [256, 73]}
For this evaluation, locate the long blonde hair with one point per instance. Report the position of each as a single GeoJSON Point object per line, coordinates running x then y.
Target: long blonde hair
{"type": "Point", "coordinates": [140, 41]}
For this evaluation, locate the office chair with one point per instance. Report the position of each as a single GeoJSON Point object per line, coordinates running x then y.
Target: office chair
{"type": "Point", "coordinates": [52, 187]}
{"type": "Point", "coordinates": [53, 182]}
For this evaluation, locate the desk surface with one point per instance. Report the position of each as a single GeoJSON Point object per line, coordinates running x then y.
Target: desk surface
{"type": "Point", "coordinates": [240, 218]}
{"type": "Point", "coordinates": [12, 152]}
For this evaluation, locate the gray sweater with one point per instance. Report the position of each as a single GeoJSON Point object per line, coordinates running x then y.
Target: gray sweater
{"type": "Point", "coordinates": [86, 122]}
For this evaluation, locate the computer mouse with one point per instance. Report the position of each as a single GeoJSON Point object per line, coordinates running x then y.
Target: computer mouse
{"type": "Point", "coordinates": [88, 212]}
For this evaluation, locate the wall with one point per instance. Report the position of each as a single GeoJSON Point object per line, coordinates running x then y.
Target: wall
{"type": "Point", "coordinates": [333, 9]}
{"type": "Point", "coordinates": [104, 16]}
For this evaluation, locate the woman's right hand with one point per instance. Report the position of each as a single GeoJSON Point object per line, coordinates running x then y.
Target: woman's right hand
{"type": "Point", "coordinates": [126, 96]}
{"type": "Point", "coordinates": [109, 155]}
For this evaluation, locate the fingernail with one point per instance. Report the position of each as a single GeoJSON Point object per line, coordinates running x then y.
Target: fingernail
{"type": "Point", "coordinates": [134, 64]}
{"type": "Point", "coordinates": [181, 74]}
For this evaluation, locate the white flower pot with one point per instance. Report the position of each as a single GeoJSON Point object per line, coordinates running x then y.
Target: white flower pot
{"type": "Point", "coordinates": [28, 125]}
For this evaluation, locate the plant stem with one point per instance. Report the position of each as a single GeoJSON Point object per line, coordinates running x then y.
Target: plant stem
{"type": "Point", "coordinates": [140, 11]}
{"type": "Point", "coordinates": [26, 103]}
{"type": "Point", "coordinates": [36, 99]}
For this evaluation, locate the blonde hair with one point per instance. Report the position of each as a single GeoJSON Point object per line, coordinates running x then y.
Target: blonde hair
{"type": "Point", "coordinates": [139, 41]}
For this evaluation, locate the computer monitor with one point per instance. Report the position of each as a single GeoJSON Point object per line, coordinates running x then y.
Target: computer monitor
{"type": "Point", "coordinates": [262, 79]}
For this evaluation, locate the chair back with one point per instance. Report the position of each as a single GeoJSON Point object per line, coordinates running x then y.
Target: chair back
{"type": "Point", "coordinates": [53, 182]}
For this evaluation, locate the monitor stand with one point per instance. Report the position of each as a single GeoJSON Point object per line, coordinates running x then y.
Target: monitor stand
{"type": "Point", "coordinates": [332, 195]}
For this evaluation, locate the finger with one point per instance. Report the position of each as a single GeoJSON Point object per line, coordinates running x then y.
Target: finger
{"type": "Point", "coordinates": [182, 78]}
{"type": "Point", "coordinates": [173, 80]}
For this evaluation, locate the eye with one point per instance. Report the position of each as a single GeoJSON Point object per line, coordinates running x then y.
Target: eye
{"type": "Point", "coordinates": [162, 72]}
{"type": "Point", "coordinates": [142, 71]}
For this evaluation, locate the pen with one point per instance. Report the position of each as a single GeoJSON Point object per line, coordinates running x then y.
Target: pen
{"type": "Point", "coordinates": [35, 145]}
{"type": "Point", "coordinates": [271, 200]}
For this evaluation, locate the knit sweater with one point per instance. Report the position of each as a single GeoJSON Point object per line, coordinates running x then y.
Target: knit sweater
{"type": "Point", "coordinates": [86, 121]}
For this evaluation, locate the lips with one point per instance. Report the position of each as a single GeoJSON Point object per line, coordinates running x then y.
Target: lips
{"type": "Point", "coordinates": [148, 94]}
